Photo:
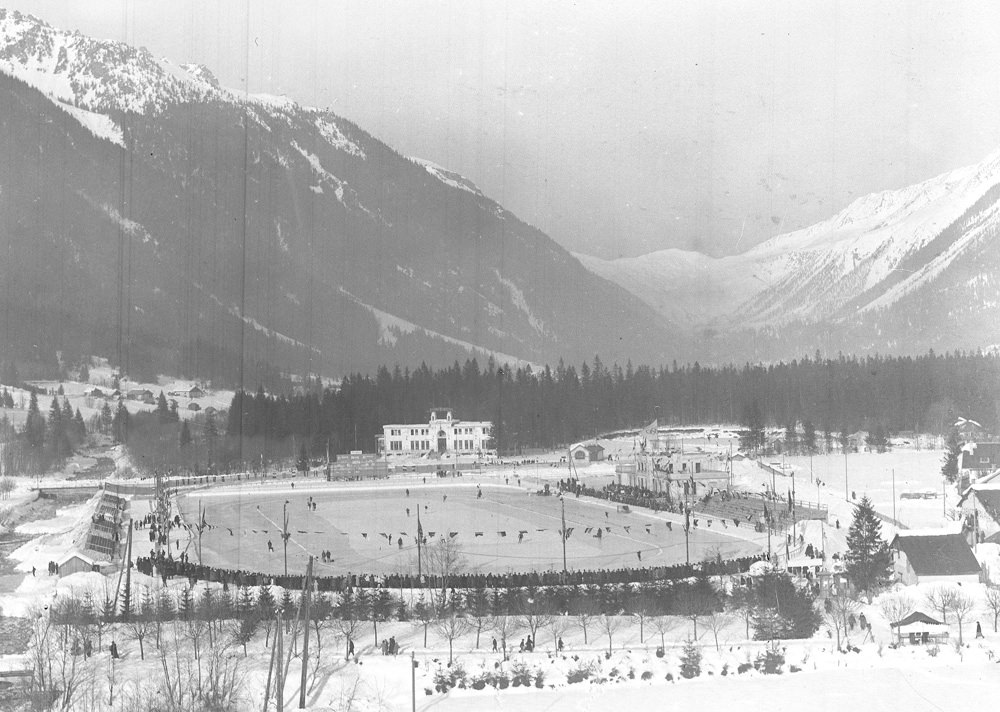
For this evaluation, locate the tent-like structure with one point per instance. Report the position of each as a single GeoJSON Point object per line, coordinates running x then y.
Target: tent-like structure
{"type": "Point", "coordinates": [920, 629]}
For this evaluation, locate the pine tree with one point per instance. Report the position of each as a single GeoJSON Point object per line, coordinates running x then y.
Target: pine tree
{"type": "Point", "coordinates": [84, 373]}
{"type": "Point", "coordinates": [265, 602]}
{"type": "Point", "coordinates": [809, 437]}
{"type": "Point", "coordinates": [162, 409]}
{"type": "Point", "coordinates": [34, 424]}
{"type": "Point", "coordinates": [79, 426]}
{"type": "Point", "coordinates": [949, 467]}
{"type": "Point", "coordinates": [107, 419]}
{"type": "Point", "coordinates": [868, 559]}
{"type": "Point", "coordinates": [119, 426]}
{"type": "Point", "coordinates": [690, 660]}
{"type": "Point", "coordinates": [185, 435]}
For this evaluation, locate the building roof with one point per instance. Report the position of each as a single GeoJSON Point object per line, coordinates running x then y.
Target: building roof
{"type": "Point", "coordinates": [980, 456]}
{"type": "Point", "coordinates": [915, 617]}
{"type": "Point", "coordinates": [76, 555]}
{"type": "Point", "coordinates": [937, 555]}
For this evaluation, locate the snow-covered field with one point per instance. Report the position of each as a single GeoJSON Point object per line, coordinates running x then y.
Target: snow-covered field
{"type": "Point", "coordinates": [878, 677]}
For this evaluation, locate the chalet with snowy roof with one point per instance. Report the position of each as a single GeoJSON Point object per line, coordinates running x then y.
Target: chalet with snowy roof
{"type": "Point", "coordinates": [978, 460]}
{"type": "Point", "coordinates": [441, 433]}
{"type": "Point", "coordinates": [980, 505]}
{"type": "Point", "coordinates": [969, 429]}
{"type": "Point", "coordinates": [587, 452]}
{"type": "Point", "coordinates": [928, 557]}
{"type": "Point", "coordinates": [143, 395]}
{"type": "Point", "coordinates": [192, 392]}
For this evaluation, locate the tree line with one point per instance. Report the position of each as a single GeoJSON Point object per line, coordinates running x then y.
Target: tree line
{"type": "Point", "coordinates": [547, 407]}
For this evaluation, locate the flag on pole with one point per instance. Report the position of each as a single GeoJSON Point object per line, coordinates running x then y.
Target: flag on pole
{"type": "Point", "coordinates": [648, 436]}
{"type": "Point", "coordinates": [420, 529]}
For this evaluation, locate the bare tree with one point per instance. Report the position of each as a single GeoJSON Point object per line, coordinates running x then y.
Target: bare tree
{"type": "Point", "coordinates": [962, 605]}
{"type": "Point", "coordinates": [586, 612]}
{"type": "Point", "coordinates": [692, 604]}
{"type": "Point", "coordinates": [716, 621]}
{"type": "Point", "coordinates": [423, 613]}
{"type": "Point", "coordinates": [742, 601]}
{"type": "Point", "coordinates": [451, 627]}
{"type": "Point", "coordinates": [610, 624]}
{"type": "Point", "coordinates": [533, 617]}
{"type": "Point", "coordinates": [59, 668]}
{"type": "Point", "coordinates": [142, 620]}
{"type": "Point", "coordinates": [895, 608]}
{"type": "Point", "coordinates": [559, 625]}
{"type": "Point", "coordinates": [506, 627]}
{"type": "Point", "coordinates": [444, 559]}
{"type": "Point", "coordinates": [839, 610]}
{"type": "Point", "coordinates": [642, 606]}
{"type": "Point", "coordinates": [940, 599]}
{"type": "Point", "coordinates": [663, 625]}
{"type": "Point", "coordinates": [993, 603]}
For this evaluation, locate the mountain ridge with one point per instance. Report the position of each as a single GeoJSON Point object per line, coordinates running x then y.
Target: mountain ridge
{"type": "Point", "coordinates": [247, 231]}
{"type": "Point", "coordinates": [862, 260]}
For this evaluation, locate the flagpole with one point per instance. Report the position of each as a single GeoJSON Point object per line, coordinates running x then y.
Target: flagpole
{"type": "Point", "coordinates": [563, 501]}
{"type": "Point", "coordinates": [420, 538]}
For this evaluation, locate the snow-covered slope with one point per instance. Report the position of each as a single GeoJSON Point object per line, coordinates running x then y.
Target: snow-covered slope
{"type": "Point", "coordinates": [321, 210]}
{"type": "Point", "coordinates": [868, 258]}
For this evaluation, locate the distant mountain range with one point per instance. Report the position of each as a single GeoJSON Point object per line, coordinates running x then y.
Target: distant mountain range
{"type": "Point", "coordinates": [900, 271]}
{"type": "Point", "coordinates": [149, 214]}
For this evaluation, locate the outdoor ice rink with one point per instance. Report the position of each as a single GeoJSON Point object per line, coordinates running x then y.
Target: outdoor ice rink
{"type": "Point", "coordinates": [352, 521]}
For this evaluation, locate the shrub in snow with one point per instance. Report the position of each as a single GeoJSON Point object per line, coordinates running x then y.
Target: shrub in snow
{"type": "Point", "coordinates": [725, 669]}
{"type": "Point", "coordinates": [770, 661]}
{"type": "Point", "coordinates": [660, 652]}
{"type": "Point", "coordinates": [539, 679]}
{"type": "Point", "coordinates": [744, 667]}
{"type": "Point", "coordinates": [579, 674]}
{"type": "Point", "coordinates": [669, 677]}
{"type": "Point", "coordinates": [690, 660]}
{"type": "Point", "coordinates": [646, 675]}
{"type": "Point", "coordinates": [520, 675]}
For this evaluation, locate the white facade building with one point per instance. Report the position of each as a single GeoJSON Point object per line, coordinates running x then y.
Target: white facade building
{"type": "Point", "coordinates": [442, 433]}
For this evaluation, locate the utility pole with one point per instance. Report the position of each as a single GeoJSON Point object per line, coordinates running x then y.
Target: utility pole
{"type": "Point", "coordinates": [847, 495]}
{"type": "Point", "coordinates": [687, 531]}
{"type": "Point", "coordinates": [280, 683]}
{"type": "Point", "coordinates": [420, 541]}
{"type": "Point", "coordinates": [563, 502]}
{"type": "Point", "coordinates": [285, 535]}
{"type": "Point", "coordinates": [894, 493]}
{"type": "Point", "coordinates": [305, 634]}
{"type": "Point", "coordinates": [413, 680]}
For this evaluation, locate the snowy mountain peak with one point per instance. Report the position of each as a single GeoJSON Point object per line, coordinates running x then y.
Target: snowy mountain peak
{"type": "Point", "coordinates": [931, 244]}
{"type": "Point", "coordinates": [202, 74]}
{"type": "Point", "coordinates": [100, 76]}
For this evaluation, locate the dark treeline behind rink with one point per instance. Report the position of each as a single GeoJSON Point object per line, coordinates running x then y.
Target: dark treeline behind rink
{"type": "Point", "coordinates": [551, 407]}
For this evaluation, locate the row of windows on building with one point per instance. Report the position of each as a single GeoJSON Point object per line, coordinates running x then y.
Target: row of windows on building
{"type": "Point", "coordinates": [424, 445]}
{"type": "Point", "coordinates": [412, 432]}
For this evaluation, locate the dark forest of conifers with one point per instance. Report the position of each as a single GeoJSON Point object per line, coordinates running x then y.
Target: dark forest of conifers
{"type": "Point", "coordinates": [551, 407]}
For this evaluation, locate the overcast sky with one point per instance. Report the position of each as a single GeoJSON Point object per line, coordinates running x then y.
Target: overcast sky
{"type": "Point", "coordinates": [617, 127]}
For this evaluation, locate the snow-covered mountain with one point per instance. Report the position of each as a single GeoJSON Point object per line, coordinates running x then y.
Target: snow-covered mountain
{"type": "Point", "coordinates": [148, 211]}
{"type": "Point", "coordinates": [903, 269]}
